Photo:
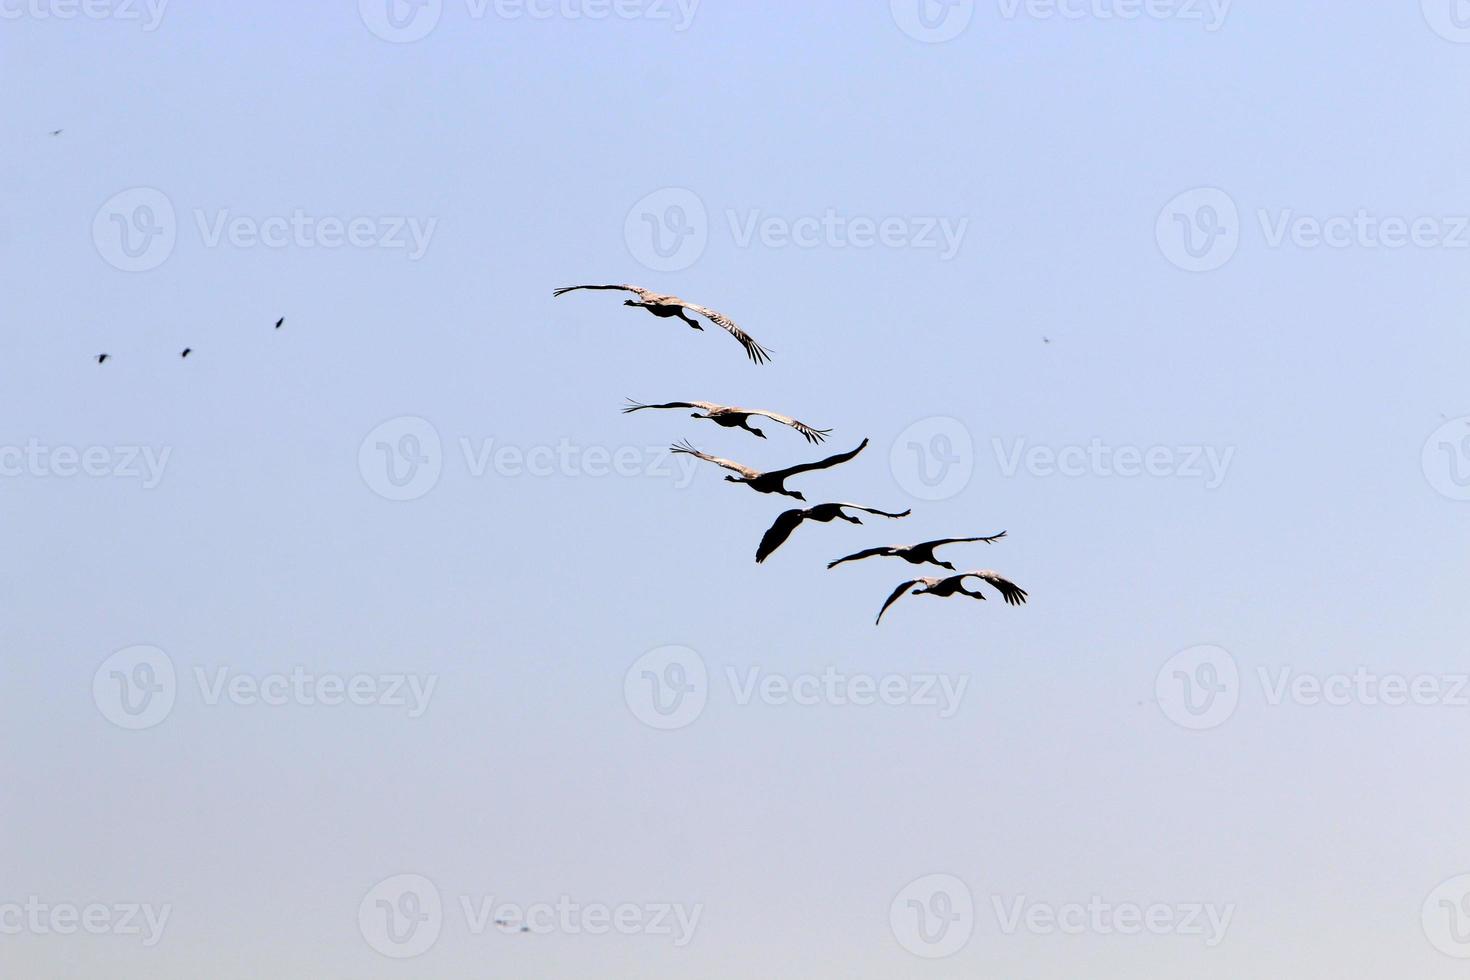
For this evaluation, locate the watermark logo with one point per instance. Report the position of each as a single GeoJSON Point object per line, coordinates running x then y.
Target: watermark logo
{"type": "Point", "coordinates": [933, 916]}
{"type": "Point", "coordinates": [934, 458]}
{"type": "Point", "coordinates": [667, 231]}
{"type": "Point", "coordinates": [932, 21]}
{"type": "Point", "coordinates": [1199, 230]}
{"type": "Point", "coordinates": [135, 230]}
{"type": "Point", "coordinates": [1198, 688]}
{"type": "Point", "coordinates": [1201, 687]}
{"type": "Point", "coordinates": [401, 21]}
{"type": "Point", "coordinates": [401, 916]}
{"type": "Point", "coordinates": [1446, 917]}
{"type": "Point", "coordinates": [401, 459]}
{"type": "Point", "coordinates": [667, 687]}
{"type": "Point", "coordinates": [1446, 459]}
{"type": "Point", "coordinates": [1450, 19]}
{"type": "Point", "coordinates": [135, 688]}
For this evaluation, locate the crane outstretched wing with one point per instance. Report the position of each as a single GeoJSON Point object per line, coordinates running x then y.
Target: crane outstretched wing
{"type": "Point", "coordinates": [942, 541]}
{"type": "Point", "coordinates": [687, 449]}
{"type": "Point", "coordinates": [753, 350]}
{"type": "Point", "coordinates": [812, 435]}
{"type": "Point", "coordinates": [874, 510]}
{"type": "Point", "coordinates": [642, 293]}
{"type": "Point", "coordinates": [860, 555]}
{"type": "Point", "coordinates": [1013, 594]}
{"type": "Point", "coordinates": [820, 464]}
{"type": "Point", "coordinates": [778, 532]}
{"type": "Point", "coordinates": [636, 406]}
{"type": "Point", "coordinates": [897, 594]}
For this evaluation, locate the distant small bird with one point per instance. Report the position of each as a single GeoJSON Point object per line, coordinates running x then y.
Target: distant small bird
{"type": "Point", "coordinates": [773, 481]}
{"type": "Point", "coordinates": [914, 554]}
{"type": "Point", "coordinates": [736, 418]}
{"type": "Point", "coordinates": [279, 322]}
{"type": "Point", "coordinates": [186, 352]}
{"type": "Point", "coordinates": [661, 305]}
{"type": "Point", "coordinates": [955, 585]}
{"type": "Point", "coordinates": [57, 132]}
{"type": "Point", "coordinates": [789, 521]}
{"type": "Point", "coordinates": [1046, 340]}
{"type": "Point", "coordinates": [102, 358]}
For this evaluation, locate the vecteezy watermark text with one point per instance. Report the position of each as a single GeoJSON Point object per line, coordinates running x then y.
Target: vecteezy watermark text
{"type": "Point", "coordinates": [37, 918]}
{"type": "Point", "coordinates": [136, 230]}
{"type": "Point", "coordinates": [40, 461]}
{"type": "Point", "coordinates": [302, 230]}
{"type": "Point", "coordinates": [935, 915]}
{"type": "Point", "coordinates": [1099, 917]}
{"type": "Point", "coordinates": [668, 687]}
{"type": "Point", "coordinates": [147, 13]}
{"type": "Point", "coordinates": [137, 687]}
{"type": "Point", "coordinates": [668, 230]}
{"type": "Point", "coordinates": [1200, 688]}
{"type": "Point", "coordinates": [1211, 14]}
{"type": "Point", "coordinates": [839, 689]}
{"type": "Point", "coordinates": [406, 21]}
{"type": "Point", "coordinates": [402, 916]}
{"type": "Point", "coordinates": [936, 21]}
{"type": "Point", "coordinates": [411, 692]}
{"type": "Point", "coordinates": [573, 918]}
{"type": "Point", "coordinates": [835, 230]}
{"type": "Point", "coordinates": [404, 458]}
{"type": "Point", "coordinates": [1201, 230]}
{"type": "Point", "coordinates": [1097, 459]}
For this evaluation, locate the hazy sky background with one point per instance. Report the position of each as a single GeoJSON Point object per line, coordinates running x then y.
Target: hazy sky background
{"type": "Point", "coordinates": [531, 143]}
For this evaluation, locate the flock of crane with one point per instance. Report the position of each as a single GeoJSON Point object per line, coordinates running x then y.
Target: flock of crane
{"type": "Point", "coordinates": [774, 481]}
{"type": "Point", "coordinates": [104, 357]}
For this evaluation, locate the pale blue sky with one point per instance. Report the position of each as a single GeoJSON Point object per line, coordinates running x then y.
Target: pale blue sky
{"type": "Point", "coordinates": [520, 144]}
